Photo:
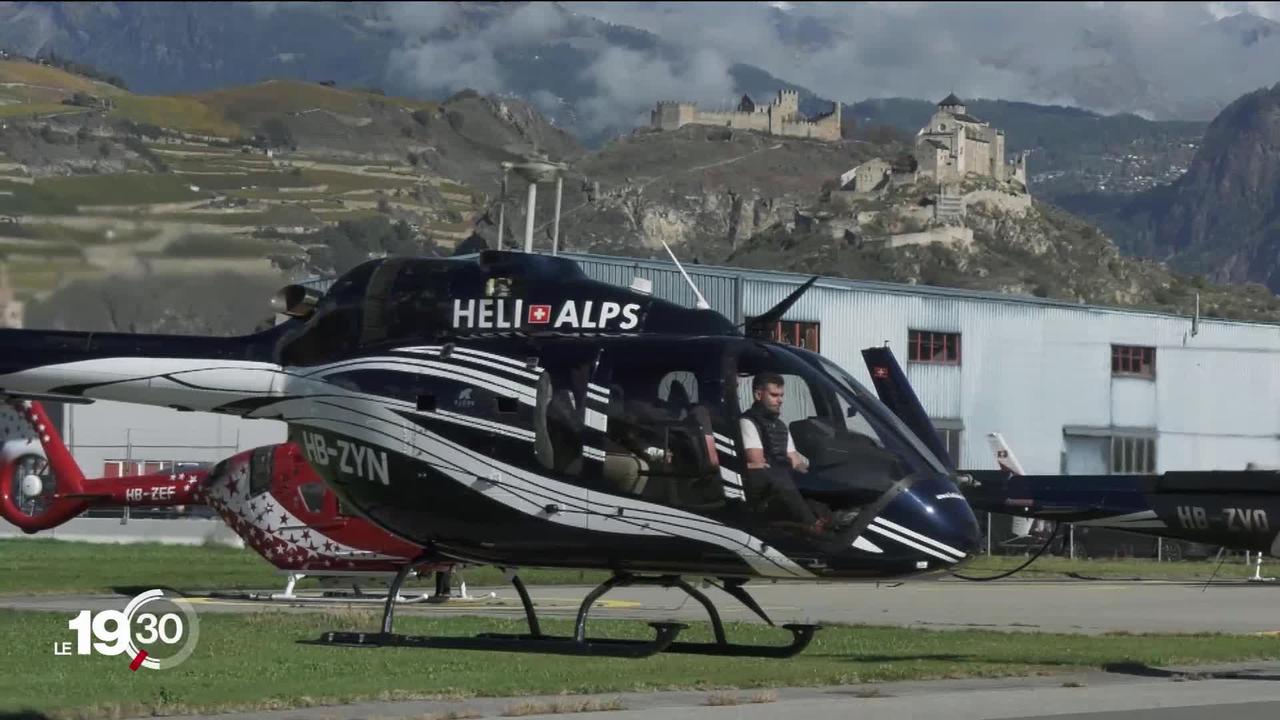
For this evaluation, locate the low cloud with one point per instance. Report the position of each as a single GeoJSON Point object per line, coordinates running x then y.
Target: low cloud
{"type": "Point", "coordinates": [448, 47]}
{"type": "Point", "coordinates": [1157, 59]}
{"type": "Point", "coordinates": [628, 83]}
{"type": "Point", "coordinates": [1166, 58]}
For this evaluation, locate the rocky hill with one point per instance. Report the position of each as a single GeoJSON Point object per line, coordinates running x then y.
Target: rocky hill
{"type": "Point", "coordinates": [1222, 218]}
{"type": "Point", "coordinates": [702, 189]}
{"type": "Point", "coordinates": [1041, 252]}
{"type": "Point", "coordinates": [740, 198]}
{"type": "Point", "coordinates": [296, 178]}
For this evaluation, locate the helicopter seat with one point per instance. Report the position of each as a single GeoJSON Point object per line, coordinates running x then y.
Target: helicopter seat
{"type": "Point", "coordinates": [557, 430]}
{"type": "Point", "coordinates": [626, 472]}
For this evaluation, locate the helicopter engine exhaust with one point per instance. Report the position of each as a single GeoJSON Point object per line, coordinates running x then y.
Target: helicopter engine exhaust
{"type": "Point", "coordinates": [296, 301]}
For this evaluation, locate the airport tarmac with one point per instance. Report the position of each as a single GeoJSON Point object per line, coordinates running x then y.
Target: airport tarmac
{"type": "Point", "coordinates": [1244, 691]}
{"type": "Point", "coordinates": [1089, 607]}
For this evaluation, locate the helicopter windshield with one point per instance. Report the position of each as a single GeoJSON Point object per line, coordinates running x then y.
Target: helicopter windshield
{"type": "Point", "coordinates": [688, 428]}
{"type": "Point", "coordinates": [872, 404]}
{"type": "Point", "coordinates": [825, 438]}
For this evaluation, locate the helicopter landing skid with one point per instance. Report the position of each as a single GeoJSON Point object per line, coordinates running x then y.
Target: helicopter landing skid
{"type": "Point", "coordinates": [579, 644]}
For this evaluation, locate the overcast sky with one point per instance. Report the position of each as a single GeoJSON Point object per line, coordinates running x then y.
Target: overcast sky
{"type": "Point", "coordinates": [1169, 55]}
{"type": "Point", "coordinates": [1160, 60]}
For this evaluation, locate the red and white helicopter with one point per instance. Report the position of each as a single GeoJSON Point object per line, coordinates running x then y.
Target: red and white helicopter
{"type": "Point", "coordinates": [269, 496]}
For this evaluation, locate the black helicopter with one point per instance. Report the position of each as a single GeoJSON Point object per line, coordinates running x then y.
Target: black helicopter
{"type": "Point", "coordinates": [1234, 509]}
{"type": "Point", "coordinates": [504, 409]}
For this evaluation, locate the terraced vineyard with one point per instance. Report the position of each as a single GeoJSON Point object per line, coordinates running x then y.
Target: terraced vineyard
{"type": "Point", "coordinates": [95, 180]}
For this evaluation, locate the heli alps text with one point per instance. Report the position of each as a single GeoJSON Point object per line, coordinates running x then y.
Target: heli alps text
{"type": "Point", "coordinates": [499, 314]}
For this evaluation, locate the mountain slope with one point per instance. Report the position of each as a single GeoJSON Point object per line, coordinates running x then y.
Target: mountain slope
{"type": "Point", "coordinates": [1222, 217]}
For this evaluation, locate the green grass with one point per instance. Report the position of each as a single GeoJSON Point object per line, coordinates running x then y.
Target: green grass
{"type": "Point", "coordinates": [245, 662]}
{"type": "Point", "coordinates": [35, 276]}
{"type": "Point", "coordinates": [178, 113]}
{"type": "Point", "coordinates": [235, 181]}
{"type": "Point", "coordinates": [32, 200]}
{"type": "Point", "coordinates": [82, 236]}
{"type": "Point", "coordinates": [126, 189]}
{"type": "Point", "coordinates": [47, 565]}
{"type": "Point", "coordinates": [237, 219]}
{"type": "Point", "coordinates": [274, 194]}
{"type": "Point", "coordinates": [32, 109]}
{"type": "Point", "coordinates": [40, 565]}
{"type": "Point", "coordinates": [340, 215]}
{"type": "Point", "coordinates": [339, 181]}
{"type": "Point", "coordinates": [454, 188]}
{"type": "Point", "coordinates": [44, 249]}
{"type": "Point", "coordinates": [1233, 568]}
{"type": "Point", "coordinates": [224, 246]}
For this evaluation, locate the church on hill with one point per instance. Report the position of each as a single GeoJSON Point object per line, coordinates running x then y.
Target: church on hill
{"type": "Point", "coordinates": [955, 143]}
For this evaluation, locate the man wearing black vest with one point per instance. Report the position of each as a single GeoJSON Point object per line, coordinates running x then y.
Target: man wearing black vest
{"type": "Point", "coordinates": [771, 453]}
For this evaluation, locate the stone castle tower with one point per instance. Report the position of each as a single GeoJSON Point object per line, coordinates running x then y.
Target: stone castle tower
{"type": "Point", "coordinates": [781, 117]}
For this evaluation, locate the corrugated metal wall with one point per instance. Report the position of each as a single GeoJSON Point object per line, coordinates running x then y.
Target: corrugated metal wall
{"type": "Point", "coordinates": [717, 288]}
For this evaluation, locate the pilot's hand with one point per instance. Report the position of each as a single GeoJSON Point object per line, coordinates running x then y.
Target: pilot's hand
{"type": "Point", "coordinates": [800, 466]}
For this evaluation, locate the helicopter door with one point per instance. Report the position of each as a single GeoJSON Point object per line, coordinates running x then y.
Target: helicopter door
{"type": "Point", "coordinates": [663, 413]}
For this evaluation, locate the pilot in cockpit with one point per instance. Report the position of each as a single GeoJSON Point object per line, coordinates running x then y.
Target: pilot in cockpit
{"type": "Point", "coordinates": [771, 451]}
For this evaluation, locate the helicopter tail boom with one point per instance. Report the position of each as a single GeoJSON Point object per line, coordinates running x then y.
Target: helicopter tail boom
{"type": "Point", "coordinates": [184, 372]}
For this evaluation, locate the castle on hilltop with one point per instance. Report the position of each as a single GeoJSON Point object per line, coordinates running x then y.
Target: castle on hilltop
{"type": "Point", "coordinates": [781, 117]}
{"type": "Point", "coordinates": [955, 144]}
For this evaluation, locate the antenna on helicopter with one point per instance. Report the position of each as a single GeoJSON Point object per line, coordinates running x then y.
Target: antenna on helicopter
{"type": "Point", "coordinates": [702, 302]}
{"type": "Point", "coordinates": [502, 203]}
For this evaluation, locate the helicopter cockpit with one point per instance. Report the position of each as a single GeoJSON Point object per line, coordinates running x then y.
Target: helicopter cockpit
{"type": "Point", "coordinates": [676, 433]}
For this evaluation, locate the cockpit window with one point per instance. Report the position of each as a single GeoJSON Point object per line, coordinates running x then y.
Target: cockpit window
{"type": "Point", "coordinates": [260, 470]}
{"type": "Point", "coordinates": [856, 392]}
{"type": "Point", "coordinates": [312, 496]}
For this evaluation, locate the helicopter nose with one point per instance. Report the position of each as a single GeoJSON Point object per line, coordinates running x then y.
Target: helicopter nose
{"type": "Point", "coordinates": [931, 518]}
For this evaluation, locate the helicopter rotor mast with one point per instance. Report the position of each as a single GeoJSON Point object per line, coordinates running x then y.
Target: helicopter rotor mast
{"type": "Point", "coordinates": [537, 171]}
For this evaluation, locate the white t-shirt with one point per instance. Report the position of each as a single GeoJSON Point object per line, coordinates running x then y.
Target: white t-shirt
{"type": "Point", "coordinates": [751, 437]}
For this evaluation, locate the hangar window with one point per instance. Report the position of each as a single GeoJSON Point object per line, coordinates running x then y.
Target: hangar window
{"type": "Point", "coordinates": [950, 430]}
{"type": "Point", "coordinates": [800, 333]}
{"type": "Point", "coordinates": [924, 346]}
{"type": "Point", "coordinates": [1133, 455]}
{"type": "Point", "coordinates": [133, 468]}
{"type": "Point", "coordinates": [1133, 361]}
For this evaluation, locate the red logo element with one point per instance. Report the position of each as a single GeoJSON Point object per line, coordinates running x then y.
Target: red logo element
{"type": "Point", "coordinates": [137, 660]}
{"type": "Point", "coordinates": [881, 373]}
{"type": "Point", "coordinates": [539, 314]}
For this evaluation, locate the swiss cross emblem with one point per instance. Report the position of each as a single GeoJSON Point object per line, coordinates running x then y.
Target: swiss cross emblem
{"type": "Point", "coordinates": [881, 373]}
{"type": "Point", "coordinates": [539, 314]}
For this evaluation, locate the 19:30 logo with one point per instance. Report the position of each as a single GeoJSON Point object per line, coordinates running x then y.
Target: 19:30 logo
{"type": "Point", "coordinates": [159, 639]}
